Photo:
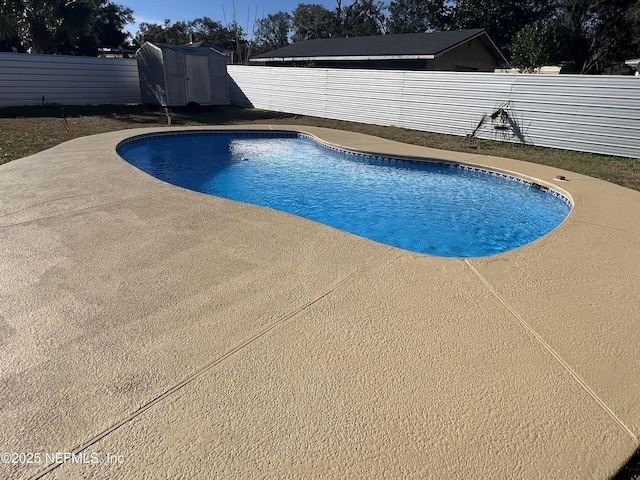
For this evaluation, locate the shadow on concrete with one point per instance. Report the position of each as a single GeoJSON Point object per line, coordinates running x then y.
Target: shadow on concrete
{"type": "Point", "coordinates": [631, 470]}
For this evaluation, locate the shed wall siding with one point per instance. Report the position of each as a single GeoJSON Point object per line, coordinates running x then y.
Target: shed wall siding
{"type": "Point", "coordinates": [599, 114]}
{"type": "Point", "coordinates": [220, 89]}
{"type": "Point", "coordinates": [33, 79]}
{"type": "Point", "coordinates": [175, 76]}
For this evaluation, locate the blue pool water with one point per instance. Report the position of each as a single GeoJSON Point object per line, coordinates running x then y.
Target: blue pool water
{"type": "Point", "coordinates": [436, 209]}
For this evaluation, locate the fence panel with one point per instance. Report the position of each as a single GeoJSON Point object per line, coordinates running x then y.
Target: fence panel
{"type": "Point", "coordinates": [599, 114]}
{"type": "Point", "coordinates": [36, 79]}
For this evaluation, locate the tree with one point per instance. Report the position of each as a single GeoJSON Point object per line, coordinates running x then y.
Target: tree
{"type": "Point", "coordinates": [418, 16]}
{"type": "Point", "coordinates": [106, 32]}
{"type": "Point", "coordinates": [207, 30]}
{"type": "Point", "coordinates": [150, 32]}
{"type": "Point", "coordinates": [68, 27]}
{"type": "Point", "coordinates": [239, 40]}
{"type": "Point", "coordinates": [9, 38]}
{"type": "Point", "coordinates": [501, 19]}
{"type": "Point", "coordinates": [533, 47]}
{"type": "Point", "coordinates": [361, 18]}
{"type": "Point", "coordinates": [174, 33]}
{"type": "Point", "coordinates": [272, 32]}
{"type": "Point", "coordinates": [46, 26]}
{"type": "Point", "coordinates": [576, 26]}
{"type": "Point", "coordinates": [111, 19]}
{"type": "Point", "coordinates": [596, 34]}
{"type": "Point", "coordinates": [231, 38]}
{"type": "Point", "coordinates": [633, 19]}
{"type": "Point", "coordinates": [8, 27]}
{"type": "Point", "coordinates": [312, 21]}
{"type": "Point", "coordinates": [587, 36]}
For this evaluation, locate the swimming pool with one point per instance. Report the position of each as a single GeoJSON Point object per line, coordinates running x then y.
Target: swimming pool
{"type": "Point", "coordinates": [430, 207]}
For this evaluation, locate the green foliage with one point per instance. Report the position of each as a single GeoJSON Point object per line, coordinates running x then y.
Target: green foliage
{"type": "Point", "coordinates": [361, 18]}
{"type": "Point", "coordinates": [8, 26]}
{"type": "Point", "coordinates": [416, 16]}
{"type": "Point", "coordinates": [501, 19]}
{"type": "Point", "coordinates": [63, 26]}
{"type": "Point", "coordinates": [533, 47]}
{"type": "Point", "coordinates": [313, 21]}
{"type": "Point", "coordinates": [9, 38]}
{"type": "Point", "coordinates": [595, 35]}
{"type": "Point", "coordinates": [632, 17]}
{"type": "Point", "coordinates": [50, 26]}
{"type": "Point", "coordinates": [111, 19]}
{"type": "Point", "coordinates": [591, 36]}
{"type": "Point", "coordinates": [207, 30]}
{"type": "Point", "coordinates": [272, 32]}
{"type": "Point", "coordinates": [174, 33]}
{"type": "Point", "coordinates": [231, 38]}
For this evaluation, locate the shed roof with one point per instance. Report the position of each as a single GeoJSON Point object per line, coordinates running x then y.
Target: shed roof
{"type": "Point", "coordinates": [405, 46]}
{"type": "Point", "coordinates": [206, 44]}
{"type": "Point", "coordinates": [186, 49]}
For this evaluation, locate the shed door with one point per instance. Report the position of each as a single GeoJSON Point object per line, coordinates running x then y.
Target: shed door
{"type": "Point", "coordinates": [197, 70]}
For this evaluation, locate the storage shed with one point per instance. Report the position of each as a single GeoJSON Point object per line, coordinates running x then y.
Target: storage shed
{"type": "Point", "coordinates": [178, 75]}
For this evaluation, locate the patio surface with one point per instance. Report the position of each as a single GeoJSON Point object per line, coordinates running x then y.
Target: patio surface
{"type": "Point", "coordinates": [157, 332]}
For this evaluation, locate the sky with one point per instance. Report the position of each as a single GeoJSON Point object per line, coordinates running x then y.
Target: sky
{"type": "Point", "coordinates": [246, 11]}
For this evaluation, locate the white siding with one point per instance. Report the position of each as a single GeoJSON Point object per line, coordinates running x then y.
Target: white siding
{"type": "Point", "coordinates": [34, 79]}
{"type": "Point", "coordinates": [599, 114]}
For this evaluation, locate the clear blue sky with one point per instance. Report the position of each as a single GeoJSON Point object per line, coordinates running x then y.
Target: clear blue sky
{"type": "Point", "coordinates": [246, 11]}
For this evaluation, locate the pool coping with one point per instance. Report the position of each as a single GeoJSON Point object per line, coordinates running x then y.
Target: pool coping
{"type": "Point", "coordinates": [552, 326]}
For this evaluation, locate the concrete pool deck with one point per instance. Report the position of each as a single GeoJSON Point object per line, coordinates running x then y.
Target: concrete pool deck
{"type": "Point", "coordinates": [156, 332]}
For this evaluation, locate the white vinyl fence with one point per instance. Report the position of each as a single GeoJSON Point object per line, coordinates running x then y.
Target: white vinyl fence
{"type": "Point", "coordinates": [576, 112]}
{"type": "Point", "coordinates": [599, 114]}
{"type": "Point", "coordinates": [42, 79]}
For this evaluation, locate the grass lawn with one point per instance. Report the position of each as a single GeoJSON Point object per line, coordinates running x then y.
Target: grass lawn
{"type": "Point", "coordinates": [27, 130]}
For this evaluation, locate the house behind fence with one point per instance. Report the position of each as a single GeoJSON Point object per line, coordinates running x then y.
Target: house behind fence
{"type": "Point", "coordinates": [455, 50]}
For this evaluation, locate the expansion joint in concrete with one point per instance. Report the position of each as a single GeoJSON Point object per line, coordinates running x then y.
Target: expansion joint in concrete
{"type": "Point", "coordinates": [204, 369]}
{"type": "Point", "coordinates": [581, 382]}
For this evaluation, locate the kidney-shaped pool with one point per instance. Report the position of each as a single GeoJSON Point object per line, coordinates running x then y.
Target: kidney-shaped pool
{"type": "Point", "coordinates": [432, 207]}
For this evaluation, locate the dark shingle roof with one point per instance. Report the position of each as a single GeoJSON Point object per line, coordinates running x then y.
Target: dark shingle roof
{"type": "Point", "coordinates": [414, 45]}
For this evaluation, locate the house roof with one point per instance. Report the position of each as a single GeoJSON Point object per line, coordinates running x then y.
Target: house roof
{"type": "Point", "coordinates": [404, 46]}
